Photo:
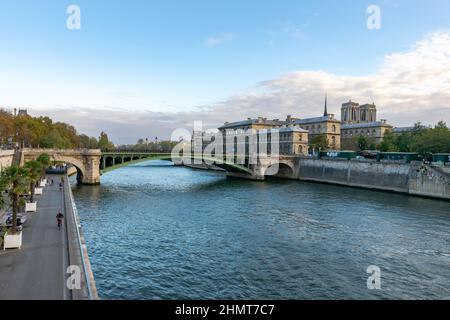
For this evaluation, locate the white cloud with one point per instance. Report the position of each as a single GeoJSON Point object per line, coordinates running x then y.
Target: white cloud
{"type": "Point", "coordinates": [219, 39]}
{"type": "Point", "coordinates": [408, 87]}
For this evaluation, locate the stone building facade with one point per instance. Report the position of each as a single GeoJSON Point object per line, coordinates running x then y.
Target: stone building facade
{"type": "Point", "coordinates": [293, 141]}
{"type": "Point", "coordinates": [327, 126]}
{"type": "Point", "coordinates": [254, 136]}
{"type": "Point", "coordinates": [361, 120]}
{"type": "Point", "coordinates": [356, 120]}
{"type": "Point", "coordinates": [263, 133]}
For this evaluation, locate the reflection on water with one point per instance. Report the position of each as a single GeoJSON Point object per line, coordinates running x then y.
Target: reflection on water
{"type": "Point", "coordinates": [155, 231]}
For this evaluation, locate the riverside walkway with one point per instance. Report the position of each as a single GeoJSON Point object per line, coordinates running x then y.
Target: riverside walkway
{"type": "Point", "coordinates": [39, 269]}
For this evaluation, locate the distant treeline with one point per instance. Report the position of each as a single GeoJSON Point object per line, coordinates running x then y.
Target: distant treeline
{"type": "Point", "coordinates": [28, 131]}
{"type": "Point", "coordinates": [146, 146]}
{"type": "Point", "coordinates": [420, 139]}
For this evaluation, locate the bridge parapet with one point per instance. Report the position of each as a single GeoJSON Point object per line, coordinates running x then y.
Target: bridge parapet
{"type": "Point", "coordinates": [90, 162]}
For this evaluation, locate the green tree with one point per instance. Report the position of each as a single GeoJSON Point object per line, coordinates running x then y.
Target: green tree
{"type": "Point", "coordinates": [441, 125]}
{"type": "Point", "coordinates": [16, 180]}
{"type": "Point", "coordinates": [103, 142]}
{"type": "Point", "coordinates": [93, 143]}
{"type": "Point", "coordinates": [389, 143]}
{"type": "Point", "coordinates": [435, 140]}
{"type": "Point", "coordinates": [6, 126]}
{"type": "Point", "coordinates": [44, 161]}
{"type": "Point", "coordinates": [53, 139]}
{"type": "Point", "coordinates": [85, 141]}
{"type": "Point", "coordinates": [42, 132]}
{"type": "Point", "coordinates": [320, 142]}
{"type": "Point", "coordinates": [365, 143]}
{"type": "Point", "coordinates": [406, 141]}
{"type": "Point", "coordinates": [34, 173]}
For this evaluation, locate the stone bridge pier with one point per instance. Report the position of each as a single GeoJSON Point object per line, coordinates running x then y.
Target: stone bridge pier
{"type": "Point", "coordinates": [86, 161]}
{"type": "Point", "coordinates": [276, 166]}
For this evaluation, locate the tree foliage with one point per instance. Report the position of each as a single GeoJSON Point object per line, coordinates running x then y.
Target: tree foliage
{"type": "Point", "coordinates": [34, 169]}
{"type": "Point", "coordinates": [421, 139]}
{"type": "Point", "coordinates": [103, 142]}
{"type": "Point", "coordinates": [320, 142]}
{"type": "Point", "coordinates": [144, 145]}
{"type": "Point", "coordinates": [42, 132]}
{"type": "Point", "coordinates": [16, 180]}
{"type": "Point", "coordinates": [365, 143]}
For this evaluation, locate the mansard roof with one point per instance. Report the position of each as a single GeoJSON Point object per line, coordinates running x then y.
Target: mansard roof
{"type": "Point", "coordinates": [328, 118]}
{"type": "Point", "coordinates": [249, 122]}
{"type": "Point", "coordinates": [362, 125]}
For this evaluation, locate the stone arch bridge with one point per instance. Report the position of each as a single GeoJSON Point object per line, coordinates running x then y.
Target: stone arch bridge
{"type": "Point", "coordinates": [91, 163]}
{"type": "Point", "coordinates": [86, 161]}
{"type": "Point", "coordinates": [279, 166]}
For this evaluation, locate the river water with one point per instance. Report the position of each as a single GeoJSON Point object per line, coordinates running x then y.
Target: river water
{"type": "Point", "coordinates": [156, 231]}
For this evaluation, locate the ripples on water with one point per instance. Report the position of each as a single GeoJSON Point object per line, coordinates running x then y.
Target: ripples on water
{"type": "Point", "coordinates": [155, 231]}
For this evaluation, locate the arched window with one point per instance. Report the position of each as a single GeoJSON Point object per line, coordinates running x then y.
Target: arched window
{"type": "Point", "coordinates": [334, 128]}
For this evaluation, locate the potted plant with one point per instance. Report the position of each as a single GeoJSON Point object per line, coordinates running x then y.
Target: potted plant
{"type": "Point", "coordinates": [34, 173]}
{"type": "Point", "coordinates": [16, 180]}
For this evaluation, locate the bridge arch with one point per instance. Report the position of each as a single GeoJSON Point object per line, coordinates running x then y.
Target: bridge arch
{"type": "Point", "coordinates": [109, 163]}
{"type": "Point", "coordinates": [280, 169]}
{"type": "Point", "coordinates": [78, 164]}
{"type": "Point", "coordinates": [85, 161]}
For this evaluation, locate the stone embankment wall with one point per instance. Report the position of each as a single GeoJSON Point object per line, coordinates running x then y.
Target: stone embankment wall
{"type": "Point", "coordinates": [414, 179]}
{"type": "Point", "coordinates": [6, 158]}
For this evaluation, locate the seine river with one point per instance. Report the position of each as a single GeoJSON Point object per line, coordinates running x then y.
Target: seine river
{"type": "Point", "coordinates": [155, 231]}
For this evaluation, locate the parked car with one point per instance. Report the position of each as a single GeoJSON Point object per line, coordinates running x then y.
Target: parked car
{"type": "Point", "coordinates": [21, 220]}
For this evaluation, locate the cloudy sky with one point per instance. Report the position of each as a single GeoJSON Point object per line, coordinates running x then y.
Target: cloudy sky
{"type": "Point", "coordinates": [140, 69]}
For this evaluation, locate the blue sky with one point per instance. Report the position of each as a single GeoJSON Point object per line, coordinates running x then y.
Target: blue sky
{"type": "Point", "coordinates": [174, 56]}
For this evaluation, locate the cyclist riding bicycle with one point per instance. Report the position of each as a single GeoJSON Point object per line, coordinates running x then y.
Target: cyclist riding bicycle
{"type": "Point", "coordinates": [59, 218]}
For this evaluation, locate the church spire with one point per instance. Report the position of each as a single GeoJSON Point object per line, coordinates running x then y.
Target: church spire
{"type": "Point", "coordinates": [325, 113]}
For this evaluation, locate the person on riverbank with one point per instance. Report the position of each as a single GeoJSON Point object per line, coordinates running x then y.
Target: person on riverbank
{"type": "Point", "coordinates": [59, 219]}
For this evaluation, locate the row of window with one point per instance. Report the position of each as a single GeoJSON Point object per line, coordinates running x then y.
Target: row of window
{"type": "Point", "coordinates": [306, 127]}
{"type": "Point", "coordinates": [359, 132]}
{"type": "Point", "coordinates": [319, 127]}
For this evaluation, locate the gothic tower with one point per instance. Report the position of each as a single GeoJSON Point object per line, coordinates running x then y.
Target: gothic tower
{"type": "Point", "coordinates": [350, 113]}
{"type": "Point", "coordinates": [368, 113]}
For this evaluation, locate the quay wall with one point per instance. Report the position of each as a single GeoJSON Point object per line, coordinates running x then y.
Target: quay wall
{"type": "Point", "coordinates": [415, 178]}
{"type": "Point", "coordinates": [6, 158]}
{"type": "Point", "coordinates": [77, 249]}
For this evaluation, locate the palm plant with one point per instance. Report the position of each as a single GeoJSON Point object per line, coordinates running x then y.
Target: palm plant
{"type": "Point", "coordinates": [44, 160]}
{"type": "Point", "coordinates": [34, 173]}
{"type": "Point", "coordinates": [16, 179]}
{"type": "Point", "coordinates": [3, 186]}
